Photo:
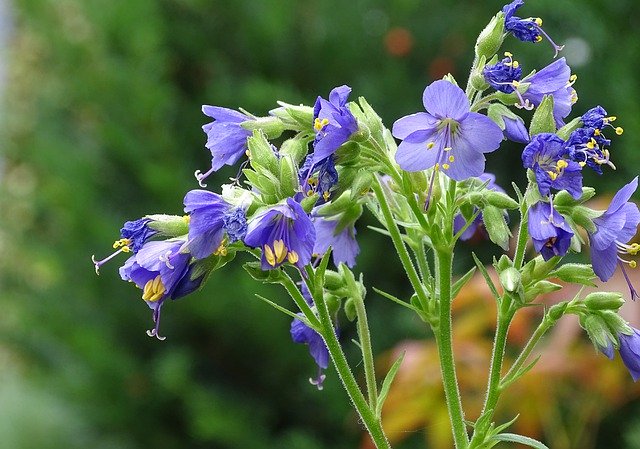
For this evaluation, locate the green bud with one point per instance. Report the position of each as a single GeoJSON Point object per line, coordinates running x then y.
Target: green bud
{"type": "Point", "coordinates": [467, 210]}
{"type": "Point", "coordinates": [371, 118]}
{"type": "Point", "coordinates": [333, 281]}
{"type": "Point", "coordinates": [361, 184]}
{"type": "Point", "coordinates": [511, 279]}
{"type": "Point", "coordinates": [333, 303]}
{"type": "Point", "coordinates": [477, 77]}
{"type": "Point", "coordinates": [604, 301]}
{"type": "Point", "coordinates": [261, 154]}
{"type": "Point", "coordinates": [309, 202]}
{"type": "Point", "coordinates": [491, 38]}
{"type": "Point", "coordinates": [564, 198]}
{"type": "Point", "coordinates": [296, 148]}
{"type": "Point", "coordinates": [476, 199]}
{"type": "Point", "coordinates": [418, 181]}
{"type": "Point", "coordinates": [615, 322]}
{"type": "Point", "coordinates": [583, 216]}
{"type": "Point", "coordinates": [496, 225]}
{"type": "Point", "coordinates": [557, 311]}
{"type": "Point", "coordinates": [576, 273]}
{"type": "Point", "coordinates": [543, 121]}
{"type": "Point", "coordinates": [598, 331]}
{"type": "Point", "coordinates": [272, 126]}
{"type": "Point", "coordinates": [570, 127]}
{"type": "Point", "coordinates": [169, 225]}
{"type": "Point", "coordinates": [350, 309]}
{"type": "Point", "coordinates": [299, 118]}
{"type": "Point", "coordinates": [288, 177]}
{"type": "Point", "coordinates": [543, 267]}
{"type": "Point", "coordinates": [500, 200]}
{"type": "Point", "coordinates": [540, 288]}
{"type": "Point", "coordinates": [503, 263]}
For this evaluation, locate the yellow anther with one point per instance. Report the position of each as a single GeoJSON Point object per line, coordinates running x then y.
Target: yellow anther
{"type": "Point", "coordinates": [538, 21]}
{"type": "Point", "coordinates": [592, 144]}
{"type": "Point", "coordinates": [126, 249]}
{"type": "Point", "coordinates": [292, 257]}
{"type": "Point", "coordinates": [562, 164]}
{"type": "Point", "coordinates": [436, 167]}
{"type": "Point", "coordinates": [310, 192]}
{"type": "Point", "coordinates": [153, 290]}
{"type": "Point", "coordinates": [573, 78]}
{"type": "Point", "coordinates": [552, 175]}
{"type": "Point", "coordinates": [430, 145]}
{"type": "Point", "coordinates": [121, 243]}
{"type": "Point", "coordinates": [248, 153]}
{"type": "Point", "coordinates": [538, 38]}
{"type": "Point", "coordinates": [222, 248]}
{"type": "Point", "coordinates": [596, 132]}
{"type": "Point", "coordinates": [448, 149]}
{"type": "Point", "coordinates": [619, 131]}
{"type": "Point", "coordinates": [326, 196]}
{"type": "Point", "coordinates": [279, 250]}
{"type": "Point", "coordinates": [633, 249]}
{"type": "Point", "coordinates": [515, 83]}
{"type": "Point", "coordinates": [445, 166]}
{"type": "Point", "coordinates": [452, 158]}
{"type": "Point", "coordinates": [613, 118]}
{"type": "Point", "coordinates": [582, 164]}
{"type": "Point", "coordinates": [268, 254]}
{"type": "Point", "coordinates": [516, 64]}
{"type": "Point", "coordinates": [633, 264]}
{"type": "Point", "coordinates": [508, 54]}
{"type": "Point", "coordinates": [319, 124]}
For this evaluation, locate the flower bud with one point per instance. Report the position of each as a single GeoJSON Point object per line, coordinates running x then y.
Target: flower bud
{"type": "Point", "coordinates": [557, 311]}
{"type": "Point", "coordinates": [298, 118]}
{"type": "Point", "coordinates": [604, 301]}
{"type": "Point", "coordinates": [296, 148]}
{"type": "Point", "coordinates": [500, 200]}
{"type": "Point", "coordinates": [496, 225]}
{"type": "Point", "coordinates": [564, 198]}
{"type": "Point", "coordinates": [169, 225]}
{"type": "Point", "coordinates": [598, 332]}
{"type": "Point", "coordinates": [491, 38]}
{"type": "Point", "coordinates": [583, 216]}
{"type": "Point", "coordinates": [540, 288]}
{"type": "Point", "coordinates": [361, 184]}
{"type": "Point", "coordinates": [271, 126]}
{"type": "Point", "coordinates": [288, 177]}
{"type": "Point", "coordinates": [261, 154]}
{"type": "Point", "coordinates": [576, 273]}
{"type": "Point", "coordinates": [543, 121]}
{"type": "Point", "coordinates": [511, 279]}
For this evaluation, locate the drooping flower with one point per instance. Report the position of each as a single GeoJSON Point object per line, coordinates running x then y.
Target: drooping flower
{"type": "Point", "coordinates": [303, 334]}
{"type": "Point", "coordinates": [515, 130]}
{"type": "Point", "coordinates": [162, 271]}
{"type": "Point", "coordinates": [504, 75]}
{"type": "Point", "coordinates": [318, 177]}
{"type": "Point", "coordinates": [630, 352]}
{"type": "Point", "coordinates": [614, 230]}
{"type": "Point", "coordinates": [226, 139]}
{"type": "Point", "coordinates": [333, 123]}
{"type": "Point", "coordinates": [545, 156]}
{"type": "Point", "coordinates": [526, 30]}
{"type": "Point", "coordinates": [133, 235]}
{"type": "Point", "coordinates": [342, 241]}
{"type": "Point", "coordinates": [285, 233]}
{"type": "Point", "coordinates": [550, 233]}
{"type": "Point", "coordinates": [459, 221]}
{"type": "Point", "coordinates": [448, 136]}
{"type": "Point", "coordinates": [555, 80]}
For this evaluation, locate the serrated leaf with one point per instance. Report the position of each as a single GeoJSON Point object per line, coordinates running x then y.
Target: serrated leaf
{"type": "Point", "coordinates": [515, 438]}
{"type": "Point", "coordinates": [386, 384]}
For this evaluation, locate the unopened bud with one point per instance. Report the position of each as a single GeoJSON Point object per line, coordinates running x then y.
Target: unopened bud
{"type": "Point", "coordinates": [491, 38]}
{"type": "Point", "coordinates": [510, 279]}
{"type": "Point", "coordinates": [604, 301]}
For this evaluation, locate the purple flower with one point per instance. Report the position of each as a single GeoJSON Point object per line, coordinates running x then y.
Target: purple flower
{"type": "Point", "coordinates": [342, 240]}
{"type": "Point", "coordinates": [447, 136]}
{"type": "Point", "coordinates": [504, 75]}
{"type": "Point", "coordinates": [527, 30]}
{"type": "Point", "coordinates": [333, 123]}
{"type": "Point", "coordinates": [284, 233]}
{"type": "Point", "coordinates": [544, 155]}
{"type": "Point", "coordinates": [133, 235]}
{"type": "Point", "coordinates": [301, 333]}
{"type": "Point", "coordinates": [226, 139]}
{"type": "Point", "coordinates": [162, 271]}
{"type": "Point", "coordinates": [630, 352]}
{"type": "Point", "coordinates": [515, 131]}
{"type": "Point", "coordinates": [614, 230]}
{"type": "Point", "coordinates": [555, 80]}
{"type": "Point", "coordinates": [210, 216]}
{"type": "Point", "coordinates": [318, 177]}
{"type": "Point", "coordinates": [550, 233]}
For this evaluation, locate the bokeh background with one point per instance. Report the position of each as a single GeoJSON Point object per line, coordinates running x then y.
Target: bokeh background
{"type": "Point", "coordinates": [100, 123]}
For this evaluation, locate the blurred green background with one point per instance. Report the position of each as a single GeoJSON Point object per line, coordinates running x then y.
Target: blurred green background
{"type": "Point", "coordinates": [100, 123]}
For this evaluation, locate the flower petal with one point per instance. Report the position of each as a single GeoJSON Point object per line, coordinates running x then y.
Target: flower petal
{"type": "Point", "coordinates": [604, 261]}
{"type": "Point", "coordinates": [412, 123]}
{"type": "Point", "coordinates": [478, 133]}
{"type": "Point", "coordinates": [416, 156]}
{"type": "Point", "coordinates": [444, 99]}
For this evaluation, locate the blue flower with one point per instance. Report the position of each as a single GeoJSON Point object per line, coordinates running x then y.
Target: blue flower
{"type": "Point", "coordinates": [515, 130]}
{"type": "Point", "coordinates": [342, 240]}
{"type": "Point", "coordinates": [550, 233]}
{"type": "Point", "coordinates": [226, 138]}
{"type": "Point", "coordinates": [527, 30]}
{"type": "Point", "coordinates": [162, 270]}
{"type": "Point", "coordinates": [284, 233]}
{"type": "Point", "coordinates": [614, 230]}
{"type": "Point", "coordinates": [303, 334]}
{"type": "Point", "coordinates": [447, 136]}
{"type": "Point", "coordinates": [133, 235]}
{"type": "Point", "coordinates": [318, 177]}
{"type": "Point", "coordinates": [630, 352]}
{"type": "Point", "coordinates": [504, 75]}
{"type": "Point", "coordinates": [545, 156]}
{"type": "Point", "coordinates": [333, 123]}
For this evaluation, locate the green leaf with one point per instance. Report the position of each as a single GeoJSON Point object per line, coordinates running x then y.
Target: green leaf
{"type": "Point", "coordinates": [396, 300]}
{"type": "Point", "coordinates": [285, 311]}
{"type": "Point", "coordinates": [543, 121]}
{"type": "Point", "coordinates": [386, 384]}
{"type": "Point", "coordinates": [485, 274]}
{"type": "Point", "coordinates": [515, 438]}
{"type": "Point", "coordinates": [457, 286]}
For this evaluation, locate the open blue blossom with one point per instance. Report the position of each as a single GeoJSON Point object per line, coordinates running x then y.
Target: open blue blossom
{"type": "Point", "coordinates": [526, 30]}
{"type": "Point", "coordinates": [303, 334]}
{"type": "Point", "coordinates": [162, 270]}
{"type": "Point", "coordinates": [333, 123]}
{"type": "Point", "coordinates": [226, 139]}
{"type": "Point", "coordinates": [555, 80]}
{"type": "Point", "coordinates": [630, 352]}
{"type": "Point", "coordinates": [342, 241]}
{"type": "Point", "coordinates": [545, 156]}
{"type": "Point", "coordinates": [318, 177]}
{"type": "Point", "coordinates": [210, 217]}
{"type": "Point", "coordinates": [285, 233]}
{"type": "Point", "coordinates": [448, 136]}
{"type": "Point", "coordinates": [614, 230]}
{"type": "Point", "coordinates": [133, 235]}
{"type": "Point", "coordinates": [551, 235]}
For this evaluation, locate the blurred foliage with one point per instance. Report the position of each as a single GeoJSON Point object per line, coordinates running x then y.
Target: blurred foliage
{"type": "Point", "coordinates": [100, 124]}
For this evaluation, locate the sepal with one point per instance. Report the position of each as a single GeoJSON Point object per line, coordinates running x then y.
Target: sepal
{"type": "Point", "coordinates": [543, 121]}
{"type": "Point", "coordinates": [491, 37]}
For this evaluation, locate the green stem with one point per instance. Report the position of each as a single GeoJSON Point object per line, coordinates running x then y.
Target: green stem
{"type": "Point", "coordinates": [523, 236]}
{"type": "Point", "coordinates": [295, 294]}
{"type": "Point", "coordinates": [444, 339]}
{"type": "Point", "coordinates": [423, 264]}
{"type": "Point", "coordinates": [367, 414]}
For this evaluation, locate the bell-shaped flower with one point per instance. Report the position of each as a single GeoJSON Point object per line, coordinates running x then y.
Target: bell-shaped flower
{"type": "Point", "coordinates": [318, 177]}
{"type": "Point", "coordinates": [545, 156]}
{"type": "Point", "coordinates": [614, 231]}
{"type": "Point", "coordinates": [448, 136]}
{"type": "Point", "coordinates": [526, 30]}
{"type": "Point", "coordinates": [341, 239]}
{"type": "Point", "coordinates": [285, 233]}
{"type": "Point", "coordinates": [550, 233]}
{"type": "Point", "coordinates": [333, 123]}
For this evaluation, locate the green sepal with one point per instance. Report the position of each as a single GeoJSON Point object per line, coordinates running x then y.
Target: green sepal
{"type": "Point", "coordinates": [168, 225]}
{"type": "Point", "coordinates": [347, 154]}
{"type": "Point", "coordinates": [598, 331]}
{"type": "Point", "coordinates": [584, 216]}
{"type": "Point", "coordinates": [372, 120]}
{"type": "Point", "coordinates": [500, 200]}
{"type": "Point", "coordinates": [272, 126]}
{"type": "Point", "coordinates": [576, 273]}
{"type": "Point", "coordinates": [361, 184]}
{"type": "Point", "coordinates": [543, 121]}
{"type": "Point", "coordinates": [511, 280]}
{"type": "Point", "coordinates": [350, 310]}
{"type": "Point", "coordinates": [288, 177]}
{"type": "Point", "coordinates": [297, 118]}
{"type": "Point", "coordinates": [496, 226]}
{"type": "Point", "coordinates": [564, 198]}
{"type": "Point", "coordinates": [604, 301]}
{"type": "Point", "coordinates": [491, 37]}
{"type": "Point", "coordinates": [255, 270]}
{"type": "Point", "coordinates": [570, 127]}
{"type": "Point", "coordinates": [308, 202]}
{"type": "Point", "coordinates": [261, 154]}
{"type": "Point", "coordinates": [297, 147]}
{"type": "Point", "coordinates": [540, 288]}
{"type": "Point", "coordinates": [478, 82]}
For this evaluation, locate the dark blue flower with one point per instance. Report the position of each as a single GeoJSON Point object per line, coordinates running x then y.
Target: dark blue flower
{"type": "Point", "coordinates": [226, 139]}
{"type": "Point", "coordinates": [527, 30]}
{"type": "Point", "coordinates": [545, 156]}
{"type": "Point", "coordinates": [614, 230]}
{"type": "Point", "coordinates": [333, 123]}
{"type": "Point", "coordinates": [235, 223]}
{"type": "Point", "coordinates": [285, 233]}
{"type": "Point", "coordinates": [318, 177]}
{"type": "Point", "coordinates": [341, 240]}
{"type": "Point", "coordinates": [550, 233]}
{"type": "Point", "coordinates": [630, 352]}
{"type": "Point", "coordinates": [447, 136]}
{"type": "Point", "coordinates": [303, 334]}
{"type": "Point", "coordinates": [162, 270]}
{"type": "Point", "coordinates": [503, 75]}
